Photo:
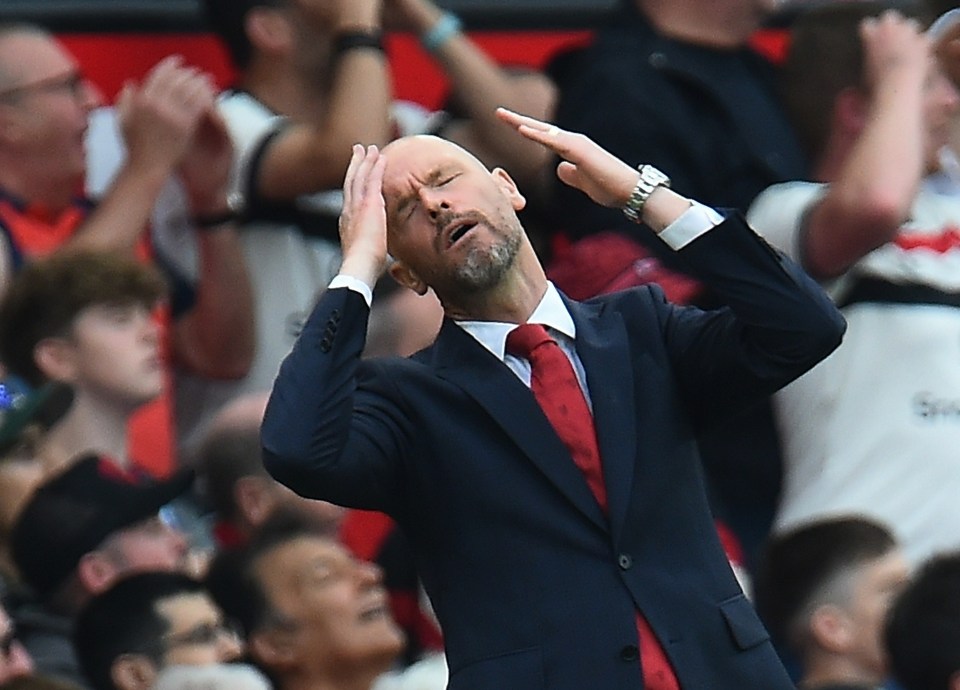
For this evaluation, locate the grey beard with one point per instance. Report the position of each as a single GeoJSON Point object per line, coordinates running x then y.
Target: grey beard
{"type": "Point", "coordinates": [483, 268]}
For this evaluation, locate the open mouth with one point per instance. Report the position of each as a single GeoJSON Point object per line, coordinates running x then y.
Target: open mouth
{"type": "Point", "coordinates": [456, 232]}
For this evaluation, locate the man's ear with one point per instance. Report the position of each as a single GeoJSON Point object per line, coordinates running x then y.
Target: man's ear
{"type": "Point", "coordinates": [255, 499]}
{"type": "Point", "coordinates": [509, 187]}
{"type": "Point", "coordinates": [269, 30]}
{"type": "Point", "coordinates": [273, 649]}
{"type": "Point", "coordinates": [954, 682]}
{"type": "Point", "coordinates": [54, 358]}
{"type": "Point", "coordinates": [831, 629]}
{"type": "Point", "coordinates": [96, 572]}
{"type": "Point", "coordinates": [405, 275]}
{"type": "Point", "coordinates": [133, 672]}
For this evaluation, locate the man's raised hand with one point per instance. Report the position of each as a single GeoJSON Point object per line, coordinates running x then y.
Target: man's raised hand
{"type": "Point", "coordinates": [363, 221]}
{"type": "Point", "coordinates": [585, 166]}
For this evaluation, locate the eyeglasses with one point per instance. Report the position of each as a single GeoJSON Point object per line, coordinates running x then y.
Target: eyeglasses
{"type": "Point", "coordinates": [72, 83]}
{"type": "Point", "coordinates": [204, 634]}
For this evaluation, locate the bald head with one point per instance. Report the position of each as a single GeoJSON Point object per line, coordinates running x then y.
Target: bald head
{"type": "Point", "coordinates": [419, 160]}
{"type": "Point", "coordinates": [12, 38]}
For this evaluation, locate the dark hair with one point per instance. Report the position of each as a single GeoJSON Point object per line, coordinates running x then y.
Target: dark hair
{"type": "Point", "coordinates": [47, 295]}
{"type": "Point", "coordinates": [923, 627]}
{"type": "Point", "coordinates": [796, 565]}
{"type": "Point", "coordinates": [228, 18]}
{"type": "Point", "coordinates": [225, 457]}
{"type": "Point", "coordinates": [125, 620]}
{"type": "Point", "coordinates": [232, 578]}
{"type": "Point", "coordinates": [825, 57]}
{"type": "Point", "coordinates": [938, 7]}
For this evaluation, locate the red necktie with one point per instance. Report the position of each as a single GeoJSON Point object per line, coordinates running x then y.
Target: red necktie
{"type": "Point", "coordinates": [555, 386]}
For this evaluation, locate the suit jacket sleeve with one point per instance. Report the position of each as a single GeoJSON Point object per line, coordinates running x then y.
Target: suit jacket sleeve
{"type": "Point", "coordinates": [328, 431]}
{"type": "Point", "coordinates": [777, 324]}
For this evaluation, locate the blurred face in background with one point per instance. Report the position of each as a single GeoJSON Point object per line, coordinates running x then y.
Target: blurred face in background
{"type": "Point", "coordinates": [333, 610]}
{"type": "Point", "coordinates": [113, 353]}
{"type": "Point", "coordinates": [44, 104]}
{"type": "Point", "coordinates": [197, 634]}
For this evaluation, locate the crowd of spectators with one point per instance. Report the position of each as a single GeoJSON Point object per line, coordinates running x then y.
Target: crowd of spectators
{"type": "Point", "coordinates": [159, 256]}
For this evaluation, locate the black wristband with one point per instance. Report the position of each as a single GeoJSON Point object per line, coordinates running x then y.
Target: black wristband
{"type": "Point", "coordinates": [351, 40]}
{"type": "Point", "coordinates": [213, 220]}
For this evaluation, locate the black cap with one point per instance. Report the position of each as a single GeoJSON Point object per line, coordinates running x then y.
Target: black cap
{"type": "Point", "coordinates": [71, 514]}
{"type": "Point", "coordinates": [43, 407]}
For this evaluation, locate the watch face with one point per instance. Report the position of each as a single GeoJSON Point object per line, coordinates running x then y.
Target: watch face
{"type": "Point", "coordinates": [650, 179]}
{"type": "Point", "coordinates": [654, 177]}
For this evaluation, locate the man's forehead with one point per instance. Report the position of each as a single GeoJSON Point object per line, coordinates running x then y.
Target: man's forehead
{"type": "Point", "coordinates": [24, 53]}
{"type": "Point", "coordinates": [301, 550]}
{"type": "Point", "coordinates": [188, 605]}
{"type": "Point", "coordinates": [423, 152]}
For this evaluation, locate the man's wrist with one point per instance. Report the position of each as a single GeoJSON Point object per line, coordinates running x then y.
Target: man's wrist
{"type": "Point", "coordinates": [357, 39]}
{"type": "Point", "coordinates": [648, 182]}
{"type": "Point", "coordinates": [343, 280]}
{"type": "Point", "coordinates": [215, 211]}
{"type": "Point", "coordinates": [363, 270]}
{"type": "Point", "coordinates": [446, 27]}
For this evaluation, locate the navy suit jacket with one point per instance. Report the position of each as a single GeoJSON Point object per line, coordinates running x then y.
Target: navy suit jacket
{"type": "Point", "coordinates": [533, 585]}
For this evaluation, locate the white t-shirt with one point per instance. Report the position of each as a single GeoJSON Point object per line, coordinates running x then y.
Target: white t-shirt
{"type": "Point", "coordinates": [288, 268]}
{"type": "Point", "coordinates": [291, 249]}
{"type": "Point", "coordinates": [875, 428]}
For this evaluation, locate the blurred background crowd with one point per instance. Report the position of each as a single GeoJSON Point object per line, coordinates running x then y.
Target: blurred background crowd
{"type": "Point", "coordinates": [160, 251]}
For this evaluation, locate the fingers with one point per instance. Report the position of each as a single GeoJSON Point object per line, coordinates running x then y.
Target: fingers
{"type": "Point", "coordinates": [185, 88]}
{"type": "Point", "coordinates": [516, 120]}
{"type": "Point", "coordinates": [545, 133]}
{"type": "Point", "coordinates": [361, 183]}
{"type": "Point", "coordinates": [124, 100]}
{"type": "Point", "coordinates": [567, 173]}
{"type": "Point", "coordinates": [363, 234]}
{"type": "Point", "coordinates": [358, 153]}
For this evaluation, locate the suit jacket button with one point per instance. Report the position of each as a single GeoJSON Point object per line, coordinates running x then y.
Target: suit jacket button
{"type": "Point", "coordinates": [630, 653]}
{"type": "Point", "coordinates": [325, 345]}
{"type": "Point", "coordinates": [624, 561]}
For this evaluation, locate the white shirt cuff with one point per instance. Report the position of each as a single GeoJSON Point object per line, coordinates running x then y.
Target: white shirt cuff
{"type": "Point", "coordinates": [351, 283]}
{"type": "Point", "coordinates": [694, 222]}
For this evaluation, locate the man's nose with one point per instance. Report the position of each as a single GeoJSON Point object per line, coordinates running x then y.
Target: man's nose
{"type": "Point", "coordinates": [434, 201]}
{"type": "Point", "coordinates": [19, 661]}
{"type": "Point", "coordinates": [229, 647]}
{"type": "Point", "coordinates": [369, 573]}
{"type": "Point", "coordinates": [91, 96]}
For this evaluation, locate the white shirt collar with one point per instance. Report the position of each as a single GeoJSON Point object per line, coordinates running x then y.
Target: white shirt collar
{"type": "Point", "coordinates": [551, 312]}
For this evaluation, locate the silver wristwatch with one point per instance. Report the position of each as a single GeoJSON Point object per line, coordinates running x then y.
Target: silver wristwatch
{"type": "Point", "coordinates": [650, 179]}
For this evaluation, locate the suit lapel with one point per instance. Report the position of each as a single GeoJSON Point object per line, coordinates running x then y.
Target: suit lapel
{"type": "Point", "coordinates": [466, 363]}
{"type": "Point", "coordinates": [604, 350]}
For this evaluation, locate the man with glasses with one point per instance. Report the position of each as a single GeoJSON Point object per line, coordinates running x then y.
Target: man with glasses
{"type": "Point", "coordinates": [78, 534]}
{"type": "Point", "coordinates": [146, 623]}
{"type": "Point", "coordinates": [14, 659]}
{"type": "Point", "coordinates": [169, 125]}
